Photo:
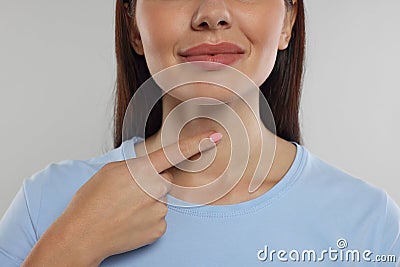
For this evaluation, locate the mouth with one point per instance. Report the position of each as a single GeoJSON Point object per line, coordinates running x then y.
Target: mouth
{"type": "Point", "coordinates": [205, 55]}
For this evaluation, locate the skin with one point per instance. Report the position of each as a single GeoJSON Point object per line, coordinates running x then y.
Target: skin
{"type": "Point", "coordinates": [110, 214]}
{"type": "Point", "coordinates": [261, 28]}
{"type": "Point", "coordinates": [90, 229]}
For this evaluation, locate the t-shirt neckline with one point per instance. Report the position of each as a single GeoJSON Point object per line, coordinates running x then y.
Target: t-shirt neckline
{"type": "Point", "coordinates": [249, 206]}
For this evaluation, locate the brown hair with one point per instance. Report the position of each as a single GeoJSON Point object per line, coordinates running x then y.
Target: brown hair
{"type": "Point", "coordinates": [282, 89]}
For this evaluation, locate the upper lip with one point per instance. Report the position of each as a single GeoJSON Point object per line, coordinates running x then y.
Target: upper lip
{"type": "Point", "coordinates": [211, 49]}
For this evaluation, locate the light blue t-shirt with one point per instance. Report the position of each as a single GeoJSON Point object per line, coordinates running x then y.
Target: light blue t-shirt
{"type": "Point", "coordinates": [317, 215]}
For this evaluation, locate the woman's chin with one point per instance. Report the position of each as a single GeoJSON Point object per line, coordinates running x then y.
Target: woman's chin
{"type": "Point", "coordinates": [201, 93]}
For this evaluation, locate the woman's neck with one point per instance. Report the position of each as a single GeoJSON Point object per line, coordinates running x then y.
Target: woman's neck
{"type": "Point", "coordinates": [245, 143]}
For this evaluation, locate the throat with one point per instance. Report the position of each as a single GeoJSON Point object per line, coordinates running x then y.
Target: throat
{"type": "Point", "coordinates": [283, 160]}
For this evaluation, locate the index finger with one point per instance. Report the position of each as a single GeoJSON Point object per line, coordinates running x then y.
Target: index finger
{"type": "Point", "coordinates": [166, 157]}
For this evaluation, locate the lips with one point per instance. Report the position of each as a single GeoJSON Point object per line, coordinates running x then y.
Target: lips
{"type": "Point", "coordinates": [225, 53]}
{"type": "Point", "coordinates": [210, 49]}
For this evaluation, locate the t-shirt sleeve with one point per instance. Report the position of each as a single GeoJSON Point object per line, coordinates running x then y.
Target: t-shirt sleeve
{"type": "Point", "coordinates": [17, 230]}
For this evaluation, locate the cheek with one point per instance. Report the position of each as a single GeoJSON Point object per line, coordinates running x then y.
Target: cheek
{"type": "Point", "coordinates": [159, 34]}
{"type": "Point", "coordinates": [264, 32]}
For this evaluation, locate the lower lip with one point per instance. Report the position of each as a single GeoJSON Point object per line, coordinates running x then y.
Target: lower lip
{"type": "Point", "coordinates": [206, 61]}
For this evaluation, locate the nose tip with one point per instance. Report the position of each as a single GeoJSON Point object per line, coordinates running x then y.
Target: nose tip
{"type": "Point", "coordinates": [212, 15]}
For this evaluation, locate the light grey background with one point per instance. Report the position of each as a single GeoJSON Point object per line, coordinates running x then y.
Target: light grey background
{"type": "Point", "coordinates": [57, 74]}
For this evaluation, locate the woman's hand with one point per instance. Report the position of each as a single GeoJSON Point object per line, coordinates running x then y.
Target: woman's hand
{"type": "Point", "coordinates": [110, 213]}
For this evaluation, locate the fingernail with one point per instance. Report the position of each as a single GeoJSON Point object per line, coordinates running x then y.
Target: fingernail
{"type": "Point", "coordinates": [215, 137]}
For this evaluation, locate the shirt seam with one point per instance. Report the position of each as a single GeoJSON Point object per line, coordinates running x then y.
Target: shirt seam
{"type": "Point", "coordinates": [29, 212]}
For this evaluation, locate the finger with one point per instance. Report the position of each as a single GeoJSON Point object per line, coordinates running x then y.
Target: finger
{"type": "Point", "coordinates": [167, 186]}
{"type": "Point", "coordinates": [156, 187]}
{"type": "Point", "coordinates": [168, 180]}
{"type": "Point", "coordinates": [184, 149]}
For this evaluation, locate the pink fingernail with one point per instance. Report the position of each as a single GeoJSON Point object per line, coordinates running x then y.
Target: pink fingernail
{"type": "Point", "coordinates": [215, 137]}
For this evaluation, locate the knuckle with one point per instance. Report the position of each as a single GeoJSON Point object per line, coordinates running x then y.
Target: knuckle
{"type": "Point", "coordinates": [155, 188]}
{"type": "Point", "coordinates": [160, 209]}
{"type": "Point", "coordinates": [163, 210]}
{"type": "Point", "coordinates": [160, 190]}
{"type": "Point", "coordinates": [161, 228]}
{"type": "Point", "coordinates": [157, 231]}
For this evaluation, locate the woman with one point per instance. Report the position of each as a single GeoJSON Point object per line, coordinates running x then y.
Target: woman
{"type": "Point", "coordinates": [304, 212]}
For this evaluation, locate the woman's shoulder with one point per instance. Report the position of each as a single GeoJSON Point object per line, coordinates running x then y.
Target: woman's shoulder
{"type": "Point", "coordinates": [42, 198]}
{"type": "Point", "coordinates": [323, 175]}
{"type": "Point", "coordinates": [350, 202]}
{"type": "Point", "coordinates": [49, 191]}
{"type": "Point", "coordinates": [338, 188]}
